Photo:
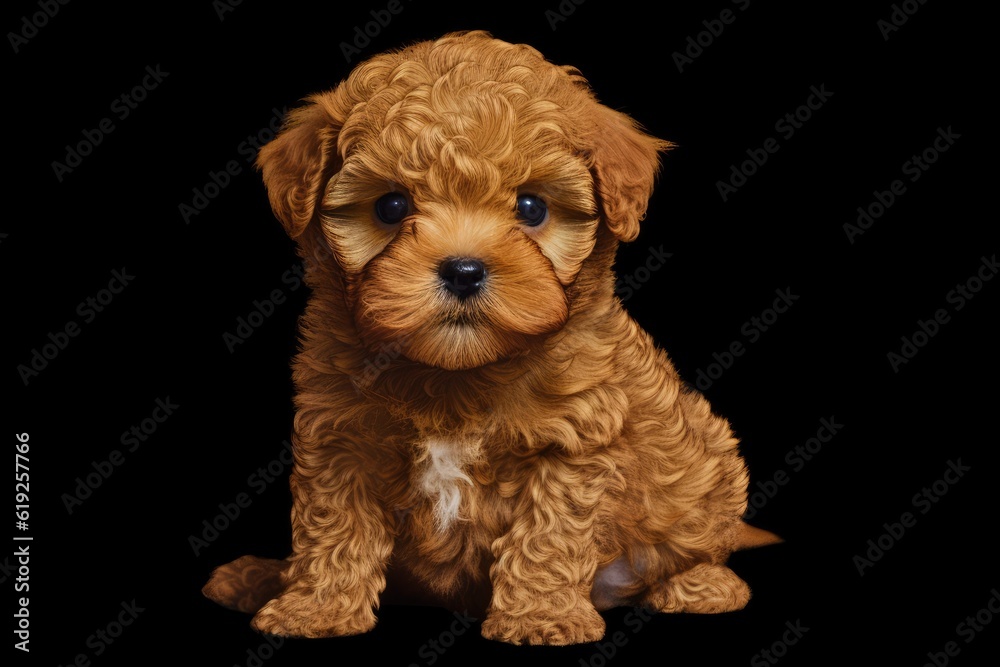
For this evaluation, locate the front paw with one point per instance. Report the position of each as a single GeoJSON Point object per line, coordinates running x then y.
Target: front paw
{"type": "Point", "coordinates": [300, 614]}
{"type": "Point", "coordinates": [552, 629]}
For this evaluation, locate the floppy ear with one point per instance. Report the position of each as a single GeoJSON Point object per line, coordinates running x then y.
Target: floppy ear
{"type": "Point", "coordinates": [297, 162]}
{"type": "Point", "coordinates": [624, 161]}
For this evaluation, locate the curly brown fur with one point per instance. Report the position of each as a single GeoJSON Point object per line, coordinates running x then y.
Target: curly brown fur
{"type": "Point", "coordinates": [530, 446]}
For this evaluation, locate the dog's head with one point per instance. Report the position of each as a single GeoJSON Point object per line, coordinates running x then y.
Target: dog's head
{"type": "Point", "coordinates": [460, 185]}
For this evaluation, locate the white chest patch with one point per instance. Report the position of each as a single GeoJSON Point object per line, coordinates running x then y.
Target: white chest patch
{"type": "Point", "coordinates": [442, 476]}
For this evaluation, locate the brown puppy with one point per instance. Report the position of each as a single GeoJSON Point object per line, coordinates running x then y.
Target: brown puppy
{"type": "Point", "coordinates": [478, 419]}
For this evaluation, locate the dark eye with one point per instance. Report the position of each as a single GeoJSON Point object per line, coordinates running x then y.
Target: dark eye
{"type": "Point", "coordinates": [392, 208]}
{"type": "Point", "coordinates": [531, 210]}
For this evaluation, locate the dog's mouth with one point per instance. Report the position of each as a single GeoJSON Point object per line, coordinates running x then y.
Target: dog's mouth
{"type": "Point", "coordinates": [468, 312]}
{"type": "Point", "coordinates": [461, 335]}
{"type": "Point", "coordinates": [462, 318]}
{"type": "Point", "coordinates": [461, 340]}
{"type": "Point", "coordinates": [463, 313]}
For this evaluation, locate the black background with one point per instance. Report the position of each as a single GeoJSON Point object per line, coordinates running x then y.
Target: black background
{"type": "Point", "coordinates": [825, 358]}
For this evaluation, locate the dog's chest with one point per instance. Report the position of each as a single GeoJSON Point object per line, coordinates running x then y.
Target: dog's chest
{"type": "Point", "coordinates": [442, 477]}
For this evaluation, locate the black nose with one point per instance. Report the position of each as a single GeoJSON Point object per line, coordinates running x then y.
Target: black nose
{"type": "Point", "coordinates": [462, 276]}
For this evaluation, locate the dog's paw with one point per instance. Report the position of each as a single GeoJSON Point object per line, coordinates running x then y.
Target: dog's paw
{"type": "Point", "coordinates": [704, 589]}
{"type": "Point", "coordinates": [297, 614]}
{"type": "Point", "coordinates": [246, 584]}
{"type": "Point", "coordinates": [578, 627]}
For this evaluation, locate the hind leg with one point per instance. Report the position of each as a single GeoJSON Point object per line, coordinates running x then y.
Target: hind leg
{"type": "Point", "coordinates": [704, 589]}
{"type": "Point", "coordinates": [246, 584]}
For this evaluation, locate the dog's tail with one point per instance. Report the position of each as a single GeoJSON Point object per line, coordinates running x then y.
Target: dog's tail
{"type": "Point", "coordinates": [246, 584]}
{"type": "Point", "coordinates": [751, 537]}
